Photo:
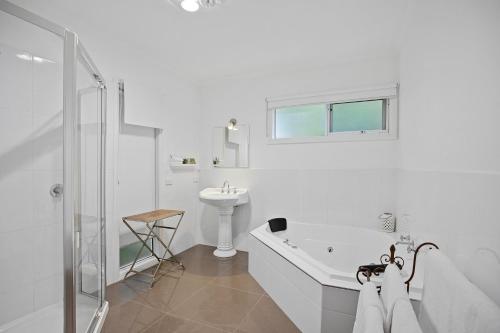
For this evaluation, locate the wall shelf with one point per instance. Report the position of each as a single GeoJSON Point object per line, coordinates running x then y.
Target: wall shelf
{"type": "Point", "coordinates": [180, 166]}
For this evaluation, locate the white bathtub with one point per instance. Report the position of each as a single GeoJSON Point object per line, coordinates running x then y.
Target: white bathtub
{"type": "Point", "coordinates": [315, 287]}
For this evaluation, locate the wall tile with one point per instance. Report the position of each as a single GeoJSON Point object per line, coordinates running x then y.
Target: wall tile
{"type": "Point", "coordinates": [16, 197]}
{"type": "Point", "coordinates": [353, 197]}
{"type": "Point", "coordinates": [47, 291]}
{"type": "Point", "coordinates": [45, 262]}
{"type": "Point", "coordinates": [16, 303]}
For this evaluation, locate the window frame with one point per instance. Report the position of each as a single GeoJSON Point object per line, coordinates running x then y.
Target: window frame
{"type": "Point", "coordinates": [388, 93]}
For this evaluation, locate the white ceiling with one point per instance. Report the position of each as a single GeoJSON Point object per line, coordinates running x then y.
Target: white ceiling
{"type": "Point", "coordinates": [242, 36]}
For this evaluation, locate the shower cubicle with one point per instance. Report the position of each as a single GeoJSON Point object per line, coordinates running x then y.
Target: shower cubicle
{"type": "Point", "coordinates": [52, 121]}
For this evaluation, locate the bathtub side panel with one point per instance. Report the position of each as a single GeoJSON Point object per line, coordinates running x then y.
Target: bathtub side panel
{"type": "Point", "coordinates": [297, 294]}
{"type": "Point", "coordinates": [337, 322]}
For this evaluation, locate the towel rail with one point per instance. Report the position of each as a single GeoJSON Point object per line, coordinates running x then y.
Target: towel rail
{"type": "Point", "coordinates": [375, 269]}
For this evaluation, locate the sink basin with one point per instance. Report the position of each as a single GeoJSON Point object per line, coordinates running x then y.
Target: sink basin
{"type": "Point", "coordinates": [214, 197]}
{"type": "Point", "coordinates": [225, 203]}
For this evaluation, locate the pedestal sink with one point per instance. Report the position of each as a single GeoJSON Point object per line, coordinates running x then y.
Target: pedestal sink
{"type": "Point", "coordinates": [224, 203]}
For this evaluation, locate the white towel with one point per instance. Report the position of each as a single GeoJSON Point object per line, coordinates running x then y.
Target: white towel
{"type": "Point", "coordinates": [373, 321]}
{"type": "Point", "coordinates": [451, 303]}
{"type": "Point", "coordinates": [370, 311]}
{"type": "Point", "coordinates": [404, 319]}
{"type": "Point", "coordinates": [393, 289]}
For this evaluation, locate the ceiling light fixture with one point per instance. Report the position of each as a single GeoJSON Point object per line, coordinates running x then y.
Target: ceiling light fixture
{"type": "Point", "coordinates": [194, 5]}
{"type": "Point", "coordinates": [190, 5]}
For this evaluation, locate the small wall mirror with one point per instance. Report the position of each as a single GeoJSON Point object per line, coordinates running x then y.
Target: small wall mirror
{"type": "Point", "coordinates": [230, 146]}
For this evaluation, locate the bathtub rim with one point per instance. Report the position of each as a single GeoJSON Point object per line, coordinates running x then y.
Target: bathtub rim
{"type": "Point", "coordinates": [263, 236]}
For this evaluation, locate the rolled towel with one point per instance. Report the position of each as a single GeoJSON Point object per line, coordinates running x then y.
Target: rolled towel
{"type": "Point", "coordinates": [404, 319]}
{"type": "Point", "coordinates": [369, 304]}
{"type": "Point", "coordinates": [451, 303]}
{"type": "Point", "coordinates": [393, 289]}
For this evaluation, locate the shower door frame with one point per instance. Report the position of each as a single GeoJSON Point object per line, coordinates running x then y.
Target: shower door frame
{"type": "Point", "coordinates": [74, 52]}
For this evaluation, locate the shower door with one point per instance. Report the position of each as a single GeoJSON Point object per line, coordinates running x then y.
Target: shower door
{"type": "Point", "coordinates": [89, 226]}
{"type": "Point", "coordinates": [84, 237]}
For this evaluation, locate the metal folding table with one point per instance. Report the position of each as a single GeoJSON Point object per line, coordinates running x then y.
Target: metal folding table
{"type": "Point", "coordinates": [152, 221]}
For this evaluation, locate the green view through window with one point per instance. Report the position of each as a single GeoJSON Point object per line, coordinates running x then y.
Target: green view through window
{"type": "Point", "coordinates": [357, 116]}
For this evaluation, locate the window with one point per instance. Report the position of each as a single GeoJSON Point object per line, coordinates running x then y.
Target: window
{"type": "Point", "coordinates": [358, 116]}
{"type": "Point", "coordinates": [300, 121]}
{"type": "Point", "coordinates": [345, 116]}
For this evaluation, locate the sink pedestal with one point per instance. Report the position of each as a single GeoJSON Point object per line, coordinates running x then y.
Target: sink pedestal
{"type": "Point", "coordinates": [224, 202]}
{"type": "Point", "coordinates": [225, 244]}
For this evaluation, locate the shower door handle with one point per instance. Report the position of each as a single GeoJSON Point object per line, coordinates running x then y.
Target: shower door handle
{"type": "Point", "coordinates": [56, 190]}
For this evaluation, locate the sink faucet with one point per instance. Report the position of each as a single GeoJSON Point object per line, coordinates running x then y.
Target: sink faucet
{"type": "Point", "coordinates": [226, 182]}
{"type": "Point", "coordinates": [406, 240]}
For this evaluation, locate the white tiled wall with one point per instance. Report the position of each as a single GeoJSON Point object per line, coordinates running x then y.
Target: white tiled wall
{"type": "Point", "coordinates": [349, 197]}
{"type": "Point", "coordinates": [338, 183]}
{"type": "Point", "coordinates": [458, 210]}
{"type": "Point", "coordinates": [30, 162]}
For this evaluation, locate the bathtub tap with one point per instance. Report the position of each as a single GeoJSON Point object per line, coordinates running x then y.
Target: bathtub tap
{"type": "Point", "coordinates": [287, 242]}
{"type": "Point", "coordinates": [406, 240]}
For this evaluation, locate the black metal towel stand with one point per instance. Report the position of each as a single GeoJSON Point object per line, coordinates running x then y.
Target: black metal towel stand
{"type": "Point", "coordinates": [375, 269]}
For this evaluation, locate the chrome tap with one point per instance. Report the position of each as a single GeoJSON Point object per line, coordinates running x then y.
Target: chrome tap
{"type": "Point", "coordinates": [406, 240]}
{"type": "Point", "coordinates": [226, 182]}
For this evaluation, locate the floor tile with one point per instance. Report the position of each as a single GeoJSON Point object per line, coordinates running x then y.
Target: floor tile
{"type": "Point", "coordinates": [130, 317]}
{"type": "Point", "coordinates": [241, 281]}
{"type": "Point", "coordinates": [171, 324]}
{"type": "Point", "coordinates": [171, 291]}
{"type": "Point", "coordinates": [218, 306]}
{"type": "Point", "coordinates": [202, 262]}
{"type": "Point", "coordinates": [210, 295]}
{"type": "Point", "coordinates": [267, 317]}
{"type": "Point", "coordinates": [126, 290]}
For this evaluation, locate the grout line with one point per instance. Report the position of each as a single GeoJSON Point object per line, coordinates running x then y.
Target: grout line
{"type": "Point", "coordinates": [153, 323]}
{"type": "Point", "coordinates": [190, 297]}
{"type": "Point", "coordinates": [248, 313]}
{"type": "Point", "coordinates": [238, 289]}
{"type": "Point", "coordinates": [211, 282]}
{"type": "Point", "coordinates": [198, 322]}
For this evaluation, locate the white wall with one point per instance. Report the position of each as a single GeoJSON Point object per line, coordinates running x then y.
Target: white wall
{"type": "Point", "coordinates": [449, 147]}
{"type": "Point", "coordinates": [443, 171]}
{"type": "Point", "coordinates": [131, 150]}
{"type": "Point", "coordinates": [443, 174]}
{"type": "Point", "coordinates": [339, 183]}
{"type": "Point", "coordinates": [169, 102]}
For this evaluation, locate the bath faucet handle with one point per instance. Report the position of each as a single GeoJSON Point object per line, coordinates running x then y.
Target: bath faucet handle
{"type": "Point", "coordinates": [405, 238]}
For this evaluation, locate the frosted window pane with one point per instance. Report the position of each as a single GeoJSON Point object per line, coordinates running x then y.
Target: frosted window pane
{"type": "Point", "coordinates": [300, 121]}
{"type": "Point", "coordinates": [358, 116]}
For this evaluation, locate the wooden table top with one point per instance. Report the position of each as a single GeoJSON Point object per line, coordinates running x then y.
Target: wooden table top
{"type": "Point", "coordinates": [154, 215]}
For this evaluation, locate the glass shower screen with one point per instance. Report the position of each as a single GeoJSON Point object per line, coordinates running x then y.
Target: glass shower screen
{"type": "Point", "coordinates": [89, 229]}
{"type": "Point", "coordinates": [52, 120]}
